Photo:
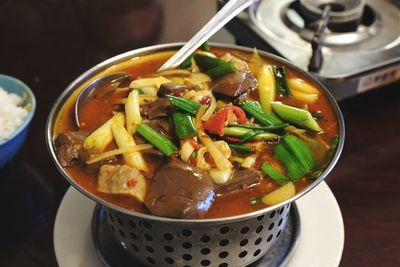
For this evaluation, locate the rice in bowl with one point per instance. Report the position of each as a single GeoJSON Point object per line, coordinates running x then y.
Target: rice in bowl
{"type": "Point", "coordinates": [13, 112]}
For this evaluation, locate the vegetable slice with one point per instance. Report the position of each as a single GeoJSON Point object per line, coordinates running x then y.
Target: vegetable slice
{"type": "Point", "coordinates": [266, 87]}
{"type": "Point", "coordinates": [158, 140]}
{"type": "Point", "coordinates": [97, 141]}
{"type": "Point", "coordinates": [124, 139]}
{"type": "Point", "coordinates": [274, 174]}
{"type": "Point", "coordinates": [281, 194]}
{"type": "Point", "coordinates": [184, 104]}
{"type": "Point", "coordinates": [295, 115]}
{"type": "Point", "coordinates": [254, 109]}
{"type": "Point", "coordinates": [300, 150]}
{"type": "Point", "coordinates": [242, 148]}
{"type": "Point", "coordinates": [281, 81]}
{"type": "Point", "coordinates": [292, 166]}
{"type": "Point", "coordinates": [184, 126]}
{"type": "Point", "coordinates": [217, 122]}
{"type": "Point", "coordinates": [132, 112]}
{"type": "Point", "coordinates": [221, 70]}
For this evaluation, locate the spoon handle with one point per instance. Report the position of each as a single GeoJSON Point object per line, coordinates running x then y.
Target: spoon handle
{"type": "Point", "coordinates": [224, 15]}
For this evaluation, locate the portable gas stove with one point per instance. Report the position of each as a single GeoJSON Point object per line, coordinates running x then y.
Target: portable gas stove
{"type": "Point", "coordinates": [350, 45]}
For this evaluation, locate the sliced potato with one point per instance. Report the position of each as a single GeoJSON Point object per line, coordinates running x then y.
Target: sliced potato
{"type": "Point", "coordinates": [305, 97]}
{"type": "Point", "coordinates": [302, 86]}
{"type": "Point", "coordinates": [279, 195]}
{"type": "Point", "coordinates": [124, 139]}
{"type": "Point", "coordinates": [97, 141]}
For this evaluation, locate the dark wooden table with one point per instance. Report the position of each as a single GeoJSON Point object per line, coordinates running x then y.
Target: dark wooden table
{"type": "Point", "coordinates": [48, 43]}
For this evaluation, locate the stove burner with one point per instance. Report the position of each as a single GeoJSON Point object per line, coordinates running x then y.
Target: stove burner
{"type": "Point", "coordinates": [347, 24]}
{"type": "Point", "coordinates": [345, 15]}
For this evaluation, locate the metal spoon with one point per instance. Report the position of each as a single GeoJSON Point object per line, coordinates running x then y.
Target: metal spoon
{"type": "Point", "coordinates": [223, 16]}
{"type": "Point", "coordinates": [113, 80]}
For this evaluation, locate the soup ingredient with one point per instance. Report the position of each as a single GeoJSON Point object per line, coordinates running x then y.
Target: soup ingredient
{"type": "Point", "coordinates": [300, 150]}
{"type": "Point", "coordinates": [242, 149]}
{"type": "Point", "coordinates": [117, 179]}
{"type": "Point", "coordinates": [69, 146]}
{"type": "Point", "coordinates": [175, 89]}
{"type": "Point", "coordinates": [292, 166]}
{"type": "Point", "coordinates": [157, 109]}
{"type": "Point", "coordinates": [241, 180]}
{"type": "Point", "coordinates": [302, 86]}
{"type": "Point", "coordinates": [184, 126]}
{"type": "Point", "coordinates": [222, 118]}
{"type": "Point", "coordinates": [112, 153]}
{"type": "Point", "coordinates": [213, 66]}
{"type": "Point", "coordinates": [278, 195]}
{"type": "Point", "coordinates": [158, 140]}
{"type": "Point", "coordinates": [124, 139]}
{"type": "Point", "coordinates": [295, 115]}
{"type": "Point", "coordinates": [282, 85]}
{"type": "Point", "coordinates": [12, 115]}
{"type": "Point", "coordinates": [187, 105]}
{"type": "Point", "coordinates": [274, 174]}
{"type": "Point", "coordinates": [180, 190]}
{"type": "Point", "coordinates": [266, 87]}
{"type": "Point", "coordinates": [254, 110]}
{"type": "Point", "coordinates": [235, 85]}
{"type": "Point", "coordinates": [97, 141]}
{"type": "Point", "coordinates": [132, 112]}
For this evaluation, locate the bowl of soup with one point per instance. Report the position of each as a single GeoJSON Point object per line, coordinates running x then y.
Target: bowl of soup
{"type": "Point", "coordinates": [199, 160]}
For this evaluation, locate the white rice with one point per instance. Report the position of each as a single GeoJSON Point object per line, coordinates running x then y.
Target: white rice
{"type": "Point", "coordinates": [11, 114]}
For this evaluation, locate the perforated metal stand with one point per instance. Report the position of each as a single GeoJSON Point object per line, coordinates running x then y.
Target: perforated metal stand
{"type": "Point", "coordinates": [113, 254]}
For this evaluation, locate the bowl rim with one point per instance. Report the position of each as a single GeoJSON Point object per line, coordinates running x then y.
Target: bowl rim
{"type": "Point", "coordinates": [28, 119]}
{"type": "Point", "coordinates": [169, 47]}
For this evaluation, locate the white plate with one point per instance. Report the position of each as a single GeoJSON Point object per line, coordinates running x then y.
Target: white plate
{"type": "Point", "coordinates": [321, 233]}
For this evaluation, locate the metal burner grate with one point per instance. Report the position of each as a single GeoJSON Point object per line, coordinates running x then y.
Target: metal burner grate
{"type": "Point", "coordinates": [114, 254]}
{"type": "Point", "coordinates": [228, 243]}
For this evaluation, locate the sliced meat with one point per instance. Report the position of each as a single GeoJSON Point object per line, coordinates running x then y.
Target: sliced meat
{"type": "Point", "coordinates": [158, 109]}
{"type": "Point", "coordinates": [124, 180]}
{"type": "Point", "coordinates": [164, 126]}
{"type": "Point", "coordinates": [235, 85]}
{"type": "Point", "coordinates": [241, 180]}
{"type": "Point", "coordinates": [180, 190]}
{"type": "Point", "coordinates": [69, 147]}
{"type": "Point", "coordinates": [175, 89]}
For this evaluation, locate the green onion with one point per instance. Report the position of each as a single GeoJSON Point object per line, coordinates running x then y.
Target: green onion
{"type": "Point", "coordinates": [295, 115]}
{"type": "Point", "coordinates": [158, 140]}
{"type": "Point", "coordinates": [274, 174]}
{"type": "Point", "coordinates": [205, 46]}
{"type": "Point", "coordinates": [254, 110]}
{"type": "Point", "coordinates": [221, 70]}
{"type": "Point", "coordinates": [300, 150]}
{"type": "Point", "coordinates": [292, 166]}
{"type": "Point", "coordinates": [184, 126]}
{"type": "Point", "coordinates": [265, 128]}
{"type": "Point", "coordinates": [241, 148]}
{"type": "Point", "coordinates": [281, 81]}
{"type": "Point", "coordinates": [249, 135]}
{"type": "Point", "coordinates": [206, 63]}
{"type": "Point", "coordinates": [184, 104]}
{"type": "Point", "coordinates": [266, 136]}
{"type": "Point", "coordinates": [186, 63]}
{"type": "Point", "coordinates": [235, 131]}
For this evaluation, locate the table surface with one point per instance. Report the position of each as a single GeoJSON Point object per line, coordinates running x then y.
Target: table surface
{"type": "Point", "coordinates": [48, 43]}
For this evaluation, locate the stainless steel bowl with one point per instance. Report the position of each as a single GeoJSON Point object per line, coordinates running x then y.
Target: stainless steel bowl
{"type": "Point", "coordinates": [157, 241]}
